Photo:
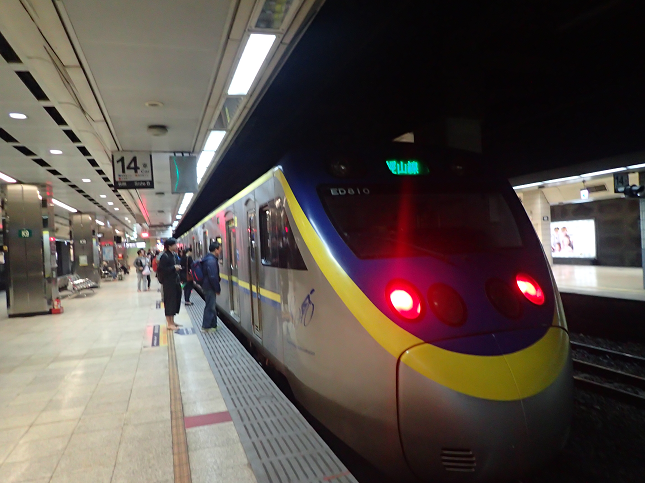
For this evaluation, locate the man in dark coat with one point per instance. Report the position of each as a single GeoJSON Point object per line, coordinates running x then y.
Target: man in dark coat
{"type": "Point", "coordinates": [168, 274]}
{"type": "Point", "coordinates": [210, 267]}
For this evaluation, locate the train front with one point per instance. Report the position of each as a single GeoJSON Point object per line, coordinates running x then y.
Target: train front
{"type": "Point", "coordinates": [447, 254]}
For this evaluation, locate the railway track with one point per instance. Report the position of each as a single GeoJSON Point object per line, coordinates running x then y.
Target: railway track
{"type": "Point", "coordinates": [606, 381]}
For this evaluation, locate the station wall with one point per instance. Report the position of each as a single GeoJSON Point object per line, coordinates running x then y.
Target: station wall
{"type": "Point", "coordinates": [618, 238]}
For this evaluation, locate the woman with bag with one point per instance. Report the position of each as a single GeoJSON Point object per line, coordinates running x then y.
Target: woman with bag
{"type": "Point", "coordinates": [186, 274]}
{"type": "Point", "coordinates": [143, 270]}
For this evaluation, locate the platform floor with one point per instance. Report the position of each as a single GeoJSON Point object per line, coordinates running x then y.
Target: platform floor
{"type": "Point", "coordinates": [85, 396]}
{"type": "Point", "coordinates": [614, 282]}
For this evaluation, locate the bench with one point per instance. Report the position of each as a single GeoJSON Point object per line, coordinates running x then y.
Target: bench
{"type": "Point", "coordinates": [76, 285]}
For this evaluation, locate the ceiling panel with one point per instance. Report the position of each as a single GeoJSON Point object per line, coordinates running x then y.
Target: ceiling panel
{"type": "Point", "coordinates": [153, 50]}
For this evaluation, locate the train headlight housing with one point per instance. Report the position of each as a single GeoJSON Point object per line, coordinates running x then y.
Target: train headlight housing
{"type": "Point", "coordinates": [447, 305]}
{"type": "Point", "coordinates": [530, 289]}
{"type": "Point", "coordinates": [503, 298]}
{"type": "Point", "coordinates": [404, 300]}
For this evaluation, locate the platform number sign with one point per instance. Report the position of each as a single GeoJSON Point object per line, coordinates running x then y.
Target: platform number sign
{"type": "Point", "coordinates": [132, 170]}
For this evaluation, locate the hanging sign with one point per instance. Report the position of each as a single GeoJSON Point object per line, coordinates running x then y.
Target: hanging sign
{"type": "Point", "coordinates": [24, 233]}
{"type": "Point", "coordinates": [132, 170]}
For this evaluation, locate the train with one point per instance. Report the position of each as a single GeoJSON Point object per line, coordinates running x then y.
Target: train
{"type": "Point", "coordinates": [405, 296]}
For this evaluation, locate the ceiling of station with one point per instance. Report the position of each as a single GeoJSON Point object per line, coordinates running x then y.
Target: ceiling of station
{"type": "Point", "coordinates": [152, 50]}
{"type": "Point", "coordinates": [109, 71]}
{"type": "Point", "coordinates": [36, 136]}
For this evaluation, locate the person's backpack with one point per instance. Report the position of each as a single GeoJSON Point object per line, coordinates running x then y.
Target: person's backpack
{"type": "Point", "coordinates": [155, 265]}
{"type": "Point", "coordinates": [197, 270]}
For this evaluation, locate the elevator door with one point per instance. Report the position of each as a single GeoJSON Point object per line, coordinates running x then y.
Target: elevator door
{"type": "Point", "coordinates": [231, 252]}
{"type": "Point", "coordinates": [254, 275]}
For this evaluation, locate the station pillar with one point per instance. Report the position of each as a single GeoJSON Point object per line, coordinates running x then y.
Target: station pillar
{"type": "Point", "coordinates": [539, 210]}
{"type": "Point", "coordinates": [108, 248]}
{"type": "Point", "coordinates": [30, 264]}
{"type": "Point", "coordinates": [86, 246]}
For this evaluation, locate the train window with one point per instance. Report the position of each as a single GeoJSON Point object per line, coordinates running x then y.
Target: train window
{"type": "Point", "coordinates": [384, 221]}
{"type": "Point", "coordinates": [278, 246]}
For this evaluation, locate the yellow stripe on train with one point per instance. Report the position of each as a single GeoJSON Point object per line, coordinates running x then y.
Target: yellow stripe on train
{"type": "Point", "coordinates": [534, 368]}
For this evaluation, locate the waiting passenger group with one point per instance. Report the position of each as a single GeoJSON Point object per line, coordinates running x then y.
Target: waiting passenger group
{"type": "Point", "coordinates": [174, 270]}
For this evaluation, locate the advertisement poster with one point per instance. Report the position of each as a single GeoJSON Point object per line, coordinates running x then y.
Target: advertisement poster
{"type": "Point", "coordinates": [573, 239]}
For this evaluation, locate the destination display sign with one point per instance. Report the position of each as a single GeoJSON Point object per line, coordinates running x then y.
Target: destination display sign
{"type": "Point", "coordinates": [132, 170]}
{"type": "Point", "coordinates": [406, 167]}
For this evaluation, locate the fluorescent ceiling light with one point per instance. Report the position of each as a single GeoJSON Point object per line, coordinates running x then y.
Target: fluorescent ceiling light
{"type": "Point", "coordinates": [214, 140]}
{"type": "Point", "coordinates": [203, 163]}
{"type": "Point", "coordinates": [530, 185]}
{"type": "Point", "coordinates": [116, 231]}
{"type": "Point", "coordinates": [100, 222]}
{"type": "Point", "coordinates": [6, 178]}
{"type": "Point", "coordinates": [636, 166]}
{"type": "Point", "coordinates": [55, 151]}
{"type": "Point", "coordinates": [184, 203]}
{"type": "Point", "coordinates": [103, 196]}
{"type": "Point", "coordinates": [605, 171]}
{"type": "Point", "coordinates": [110, 203]}
{"type": "Point", "coordinates": [116, 209]}
{"type": "Point", "coordinates": [255, 52]}
{"type": "Point", "coordinates": [63, 205]}
{"type": "Point", "coordinates": [178, 217]}
{"type": "Point", "coordinates": [86, 180]}
{"type": "Point", "coordinates": [558, 180]}
{"type": "Point", "coordinates": [17, 115]}
{"type": "Point", "coordinates": [174, 224]}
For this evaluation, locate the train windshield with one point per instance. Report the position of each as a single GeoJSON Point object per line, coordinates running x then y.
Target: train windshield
{"type": "Point", "coordinates": [386, 221]}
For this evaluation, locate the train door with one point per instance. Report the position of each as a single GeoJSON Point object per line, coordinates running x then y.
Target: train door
{"type": "Point", "coordinates": [254, 272]}
{"type": "Point", "coordinates": [231, 252]}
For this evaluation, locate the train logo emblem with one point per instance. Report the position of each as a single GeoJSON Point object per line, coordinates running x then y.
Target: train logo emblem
{"type": "Point", "coordinates": [307, 308]}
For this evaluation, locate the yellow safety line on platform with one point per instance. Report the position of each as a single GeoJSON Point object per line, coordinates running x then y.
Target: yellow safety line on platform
{"type": "Point", "coordinates": [179, 443]}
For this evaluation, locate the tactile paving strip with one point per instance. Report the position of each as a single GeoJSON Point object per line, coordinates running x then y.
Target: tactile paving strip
{"type": "Point", "coordinates": [279, 443]}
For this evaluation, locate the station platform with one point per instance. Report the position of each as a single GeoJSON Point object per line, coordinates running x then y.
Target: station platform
{"type": "Point", "coordinates": [612, 282]}
{"type": "Point", "coordinates": [104, 393]}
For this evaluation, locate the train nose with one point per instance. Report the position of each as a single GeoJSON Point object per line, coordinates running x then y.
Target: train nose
{"type": "Point", "coordinates": [484, 418]}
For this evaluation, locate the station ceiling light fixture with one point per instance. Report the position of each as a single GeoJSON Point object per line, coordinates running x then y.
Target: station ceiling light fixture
{"type": "Point", "coordinates": [6, 178]}
{"type": "Point", "coordinates": [55, 151]}
{"type": "Point", "coordinates": [215, 138]}
{"type": "Point", "coordinates": [184, 203]}
{"type": "Point", "coordinates": [110, 203]}
{"type": "Point", "coordinates": [103, 196]}
{"type": "Point", "coordinates": [178, 217]}
{"type": "Point", "coordinates": [116, 209]}
{"type": "Point", "coordinates": [255, 52]}
{"type": "Point", "coordinates": [100, 222]}
{"type": "Point", "coordinates": [17, 115]}
{"type": "Point", "coordinates": [213, 143]}
{"type": "Point", "coordinates": [63, 205]}
{"type": "Point", "coordinates": [86, 180]}
{"type": "Point", "coordinates": [604, 171]}
{"type": "Point", "coordinates": [585, 175]}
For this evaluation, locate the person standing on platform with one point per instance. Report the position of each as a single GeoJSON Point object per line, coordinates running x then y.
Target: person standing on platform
{"type": "Point", "coordinates": [210, 267]}
{"type": "Point", "coordinates": [168, 269]}
{"type": "Point", "coordinates": [142, 266]}
{"type": "Point", "coordinates": [186, 274]}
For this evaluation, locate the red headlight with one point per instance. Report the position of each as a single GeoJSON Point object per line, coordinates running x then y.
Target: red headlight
{"type": "Point", "coordinates": [404, 300]}
{"type": "Point", "coordinates": [530, 289]}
